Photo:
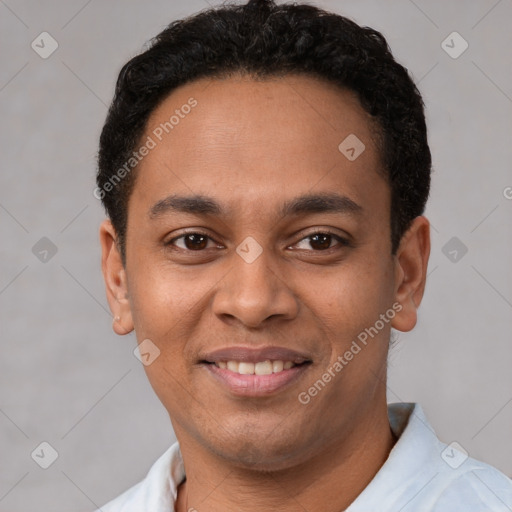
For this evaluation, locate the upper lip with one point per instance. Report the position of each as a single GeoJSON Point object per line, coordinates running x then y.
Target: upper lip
{"type": "Point", "coordinates": [255, 355]}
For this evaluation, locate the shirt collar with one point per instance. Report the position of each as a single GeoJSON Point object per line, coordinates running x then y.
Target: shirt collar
{"type": "Point", "coordinates": [410, 463]}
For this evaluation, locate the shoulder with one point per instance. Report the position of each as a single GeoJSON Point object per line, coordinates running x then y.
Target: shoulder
{"type": "Point", "coordinates": [126, 501]}
{"type": "Point", "coordinates": [157, 491]}
{"type": "Point", "coordinates": [423, 474]}
{"type": "Point", "coordinates": [476, 485]}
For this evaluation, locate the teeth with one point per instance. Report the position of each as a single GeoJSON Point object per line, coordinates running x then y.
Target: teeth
{"type": "Point", "coordinates": [277, 366]}
{"type": "Point", "coordinates": [233, 366]}
{"type": "Point", "coordinates": [261, 368]}
{"type": "Point", "coordinates": [246, 368]}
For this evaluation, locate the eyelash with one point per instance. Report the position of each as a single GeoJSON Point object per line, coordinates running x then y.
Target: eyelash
{"type": "Point", "coordinates": [343, 242]}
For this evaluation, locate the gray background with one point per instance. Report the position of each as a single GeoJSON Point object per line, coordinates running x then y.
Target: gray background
{"type": "Point", "coordinates": [67, 379]}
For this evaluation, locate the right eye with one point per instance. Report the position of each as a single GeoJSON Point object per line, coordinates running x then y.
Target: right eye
{"type": "Point", "coordinates": [191, 241]}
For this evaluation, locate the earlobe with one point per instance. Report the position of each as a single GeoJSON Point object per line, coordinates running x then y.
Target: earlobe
{"type": "Point", "coordinates": [114, 275]}
{"type": "Point", "coordinates": [411, 263]}
{"type": "Point", "coordinates": [123, 325]}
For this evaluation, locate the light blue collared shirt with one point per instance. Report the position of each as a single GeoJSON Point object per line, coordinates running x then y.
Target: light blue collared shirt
{"type": "Point", "coordinates": [421, 474]}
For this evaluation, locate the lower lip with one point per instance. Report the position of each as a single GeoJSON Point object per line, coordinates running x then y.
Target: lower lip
{"type": "Point", "coordinates": [256, 385]}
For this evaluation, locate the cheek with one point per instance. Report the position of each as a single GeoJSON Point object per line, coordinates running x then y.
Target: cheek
{"type": "Point", "coordinates": [349, 312]}
{"type": "Point", "coordinates": [161, 299]}
{"type": "Point", "coordinates": [167, 308]}
{"type": "Point", "coordinates": [162, 306]}
{"type": "Point", "coordinates": [359, 292]}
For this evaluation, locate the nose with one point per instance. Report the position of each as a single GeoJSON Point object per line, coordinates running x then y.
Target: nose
{"type": "Point", "coordinates": [253, 291]}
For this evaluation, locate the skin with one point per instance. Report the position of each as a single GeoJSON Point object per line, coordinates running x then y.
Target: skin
{"type": "Point", "coordinates": [252, 145]}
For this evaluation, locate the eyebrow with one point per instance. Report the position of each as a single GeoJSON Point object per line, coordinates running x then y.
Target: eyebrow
{"type": "Point", "coordinates": [302, 205]}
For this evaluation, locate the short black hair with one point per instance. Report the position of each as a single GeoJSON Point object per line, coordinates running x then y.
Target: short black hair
{"type": "Point", "coordinates": [263, 39]}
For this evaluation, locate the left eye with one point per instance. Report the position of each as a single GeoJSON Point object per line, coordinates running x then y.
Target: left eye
{"type": "Point", "coordinates": [322, 240]}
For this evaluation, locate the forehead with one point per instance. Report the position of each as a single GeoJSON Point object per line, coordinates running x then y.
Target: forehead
{"type": "Point", "coordinates": [258, 138]}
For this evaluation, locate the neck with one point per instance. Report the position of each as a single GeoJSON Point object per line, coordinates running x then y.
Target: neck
{"type": "Point", "coordinates": [329, 481]}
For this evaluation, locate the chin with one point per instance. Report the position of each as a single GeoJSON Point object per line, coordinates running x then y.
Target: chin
{"type": "Point", "coordinates": [261, 450]}
{"type": "Point", "coordinates": [258, 459]}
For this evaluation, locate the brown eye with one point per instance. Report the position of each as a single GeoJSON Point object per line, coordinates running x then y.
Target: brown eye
{"type": "Point", "coordinates": [191, 241]}
{"type": "Point", "coordinates": [195, 241]}
{"type": "Point", "coordinates": [322, 241]}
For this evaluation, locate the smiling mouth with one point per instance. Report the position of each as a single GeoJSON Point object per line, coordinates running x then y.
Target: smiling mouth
{"type": "Point", "coordinates": [267, 367]}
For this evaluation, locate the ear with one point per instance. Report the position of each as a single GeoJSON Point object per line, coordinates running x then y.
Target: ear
{"type": "Point", "coordinates": [411, 261]}
{"type": "Point", "coordinates": [114, 275]}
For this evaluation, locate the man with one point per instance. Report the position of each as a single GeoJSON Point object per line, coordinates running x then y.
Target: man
{"type": "Point", "coordinates": [265, 170]}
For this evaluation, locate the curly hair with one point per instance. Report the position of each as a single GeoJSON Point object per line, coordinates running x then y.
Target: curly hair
{"type": "Point", "coordinates": [262, 39]}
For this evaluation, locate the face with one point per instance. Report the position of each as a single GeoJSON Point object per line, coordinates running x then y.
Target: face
{"type": "Point", "coordinates": [258, 254]}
